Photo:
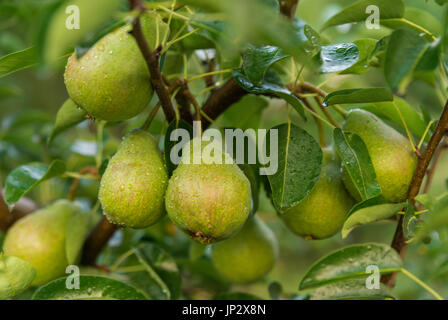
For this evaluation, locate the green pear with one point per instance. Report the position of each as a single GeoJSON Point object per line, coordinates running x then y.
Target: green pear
{"type": "Point", "coordinates": [134, 183]}
{"type": "Point", "coordinates": [323, 211]}
{"type": "Point", "coordinates": [249, 255]}
{"type": "Point", "coordinates": [40, 239]}
{"type": "Point", "coordinates": [391, 154]}
{"type": "Point", "coordinates": [111, 81]}
{"type": "Point", "coordinates": [208, 201]}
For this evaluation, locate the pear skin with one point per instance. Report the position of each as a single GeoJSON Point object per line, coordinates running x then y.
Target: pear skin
{"type": "Point", "coordinates": [391, 154]}
{"type": "Point", "coordinates": [322, 213]}
{"type": "Point", "coordinates": [208, 201]}
{"type": "Point", "coordinates": [39, 239]}
{"type": "Point", "coordinates": [133, 186]}
{"type": "Point", "coordinates": [249, 255]}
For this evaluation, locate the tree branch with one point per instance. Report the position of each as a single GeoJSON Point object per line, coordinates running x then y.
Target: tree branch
{"type": "Point", "coordinates": [152, 60]}
{"type": "Point", "coordinates": [288, 8]}
{"type": "Point", "coordinates": [399, 240]}
{"type": "Point", "coordinates": [21, 209]}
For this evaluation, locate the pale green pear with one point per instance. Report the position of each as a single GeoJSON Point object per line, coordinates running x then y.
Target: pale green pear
{"type": "Point", "coordinates": [249, 255]}
{"type": "Point", "coordinates": [111, 80]}
{"type": "Point", "coordinates": [133, 186]}
{"type": "Point", "coordinates": [208, 201]}
{"type": "Point", "coordinates": [392, 156]}
{"type": "Point", "coordinates": [40, 239]}
{"type": "Point", "coordinates": [323, 211]}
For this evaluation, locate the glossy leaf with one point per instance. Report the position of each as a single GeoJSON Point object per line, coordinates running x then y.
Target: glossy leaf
{"type": "Point", "coordinates": [18, 61]}
{"type": "Point", "coordinates": [299, 166]}
{"type": "Point", "coordinates": [16, 276]}
{"type": "Point", "coordinates": [338, 57]}
{"type": "Point", "coordinates": [68, 116]}
{"type": "Point", "coordinates": [362, 95]}
{"type": "Point", "coordinates": [356, 159]}
{"type": "Point", "coordinates": [351, 262]}
{"type": "Point", "coordinates": [78, 227]}
{"type": "Point", "coordinates": [91, 288]}
{"type": "Point", "coordinates": [370, 214]}
{"type": "Point", "coordinates": [351, 289]}
{"type": "Point", "coordinates": [357, 12]}
{"type": "Point", "coordinates": [403, 53]}
{"type": "Point", "coordinates": [272, 85]}
{"type": "Point", "coordinates": [24, 178]}
{"type": "Point", "coordinates": [365, 47]}
{"type": "Point", "coordinates": [175, 124]}
{"type": "Point", "coordinates": [256, 61]}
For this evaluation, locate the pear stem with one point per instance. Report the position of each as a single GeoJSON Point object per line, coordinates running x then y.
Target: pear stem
{"type": "Point", "coordinates": [318, 122]}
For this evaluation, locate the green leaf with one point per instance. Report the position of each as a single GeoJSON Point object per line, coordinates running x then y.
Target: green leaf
{"type": "Point", "coordinates": [361, 95]}
{"type": "Point", "coordinates": [78, 227]}
{"type": "Point", "coordinates": [357, 12]}
{"type": "Point", "coordinates": [365, 47]}
{"type": "Point", "coordinates": [272, 85]}
{"type": "Point", "coordinates": [24, 178]}
{"type": "Point", "coordinates": [91, 288]}
{"type": "Point", "coordinates": [236, 296]}
{"type": "Point", "coordinates": [18, 61]}
{"type": "Point", "coordinates": [437, 216]}
{"type": "Point", "coordinates": [175, 124]}
{"type": "Point", "coordinates": [157, 275]}
{"type": "Point", "coordinates": [338, 57]}
{"type": "Point", "coordinates": [299, 166]}
{"type": "Point", "coordinates": [403, 53]}
{"type": "Point", "coordinates": [351, 262]}
{"type": "Point", "coordinates": [409, 221]}
{"type": "Point", "coordinates": [68, 116]}
{"type": "Point", "coordinates": [370, 214]}
{"type": "Point", "coordinates": [16, 276]}
{"type": "Point", "coordinates": [351, 289]}
{"type": "Point", "coordinates": [244, 114]}
{"type": "Point", "coordinates": [256, 61]}
{"type": "Point", "coordinates": [356, 159]}
{"type": "Point", "coordinates": [57, 39]}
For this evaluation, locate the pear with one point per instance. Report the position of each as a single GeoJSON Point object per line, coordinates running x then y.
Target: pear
{"type": "Point", "coordinates": [134, 183]}
{"type": "Point", "coordinates": [322, 212]}
{"type": "Point", "coordinates": [40, 239]}
{"type": "Point", "coordinates": [249, 255]}
{"type": "Point", "coordinates": [208, 201]}
{"type": "Point", "coordinates": [111, 81]}
{"type": "Point", "coordinates": [391, 154]}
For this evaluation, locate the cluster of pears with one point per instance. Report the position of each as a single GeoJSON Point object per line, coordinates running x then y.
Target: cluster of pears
{"type": "Point", "coordinates": [322, 213]}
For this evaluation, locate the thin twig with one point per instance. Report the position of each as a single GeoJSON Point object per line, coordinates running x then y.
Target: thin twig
{"type": "Point", "coordinates": [318, 122]}
{"type": "Point", "coordinates": [75, 184]}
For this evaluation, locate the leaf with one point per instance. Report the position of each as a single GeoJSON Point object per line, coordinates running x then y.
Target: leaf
{"type": "Point", "coordinates": [338, 57]}
{"type": "Point", "coordinates": [299, 166]}
{"type": "Point", "coordinates": [351, 289]}
{"type": "Point", "coordinates": [24, 178]}
{"type": "Point", "coordinates": [256, 61]}
{"type": "Point", "coordinates": [356, 159]}
{"type": "Point", "coordinates": [91, 288]}
{"type": "Point", "coordinates": [357, 12]}
{"type": "Point", "coordinates": [365, 47]}
{"type": "Point", "coordinates": [68, 116]}
{"type": "Point", "coordinates": [16, 275]}
{"type": "Point", "coordinates": [78, 227]}
{"type": "Point", "coordinates": [437, 217]}
{"type": "Point", "coordinates": [236, 296]}
{"type": "Point", "coordinates": [370, 214]}
{"type": "Point", "coordinates": [18, 61]}
{"type": "Point", "coordinates": [351, 262]}
{"type": "Point", "coordinates": [403, 53]}
{"type": "Point", "coordinates": [175, 124]}
{"type": "Point", "coordinates": [158, 276]}
{"type": "Point", "coordinates": [361, 95]}
{"type": "Point", "coordinates": [409, 221]}
{"type": "Point", "coordinates": [244, 114]}
{"type": "Point", "coordinates": [60, 35]}
{"type": "Point", "coordinates": [272, 85]}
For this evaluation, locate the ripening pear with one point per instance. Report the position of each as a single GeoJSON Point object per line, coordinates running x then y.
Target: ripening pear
{"type": "Point", "coordinates": [391, 154]}
{"type": "Point", "coordinates": [249, 255]}
{"type": "Point", "coordinates": [323, 211]}
{"type": "Point", "coordinates": [133, 186]}
{"type": "Point", "coordinates": [208, 201]}
{"type": "Point", "coordinates": [111, 81]}
{"type": "Point", "coordinates": [40, 239]}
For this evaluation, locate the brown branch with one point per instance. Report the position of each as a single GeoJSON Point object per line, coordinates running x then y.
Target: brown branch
{"type": "Point", "coordinates": [152, 60]}
{"type": "Point", "coordinates": [399, 240]}
{"type": "Point", "coordinates": [288, 8]}
{"type": "Point", "coordinates": [23, 207]}
{"type": "Point", "coordinates": [96, 241]}
{"type": "Point", "coordinates": [75, 184]}
{"type": "Point", "coordinates": [317, 120]}
{"type": "Point", "coordinates": [325, 112]}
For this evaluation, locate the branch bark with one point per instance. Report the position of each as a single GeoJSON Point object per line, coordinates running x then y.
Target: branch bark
{"type": "Point", "coordinates": [288, 8]}
{"type": "Point", "coordinates": [399, 239]}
